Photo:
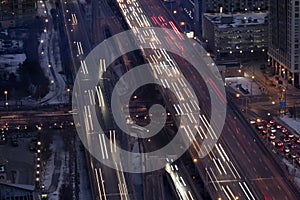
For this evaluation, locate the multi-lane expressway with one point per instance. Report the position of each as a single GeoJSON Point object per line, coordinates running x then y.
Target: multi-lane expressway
{"type": "Point", "coordinates": [237, 167]}
{"type": "Point", "coordinates": [130, 10]}
{"type": "Point", "coordinates": [105, 187]}
{"type": "Point", "coordinates": [106, 182]}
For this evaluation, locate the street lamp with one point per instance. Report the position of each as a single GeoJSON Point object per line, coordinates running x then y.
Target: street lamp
{"type": "Point", "coordinates": [6, 100]}
{"type": "Point", "coordinates": [182, 23]}
{"type": "Point", "coordinates": [284, 90]}
{"type": "Point", "coordinates": [247, 100]}
{"type": "Point", "coordinates": [69, 99]}
{"type": "Point", "coordinates": [252, 83]}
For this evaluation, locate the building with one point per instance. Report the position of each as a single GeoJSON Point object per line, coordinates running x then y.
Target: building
{"type": "Point", "coordinates": [236, 34]}
{"type": "Point", "coordinates": [223, 6]}
{"type": "Point", "coordinates": [284, 40]}
{"type": "Point", "coordinates": [16, 191]}
{"type": "Point", "coordinates": [214, 6]}
{"type": "Point", "coordinates": [11, 10]}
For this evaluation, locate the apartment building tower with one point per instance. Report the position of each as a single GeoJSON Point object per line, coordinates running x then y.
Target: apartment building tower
{"type": "Point", "coordinates": [213, 6]}
{"type": "Point", "coordinates": [283, 53]}
{"type": "Point", "coordinates": [14, 9]}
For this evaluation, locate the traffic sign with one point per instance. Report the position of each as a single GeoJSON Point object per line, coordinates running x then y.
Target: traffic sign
{"type": "Point", "coordinates": [282, 104]}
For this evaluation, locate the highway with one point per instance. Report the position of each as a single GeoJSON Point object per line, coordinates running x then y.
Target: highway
{"type": "Point", "coordinates": [226, 168]}
{"type": "Point", "coordinates": [264, 175]}
{"type": "Point", "coordinates": [106, 183]}
{"type": "Point", "coordinates": [168, 77]}
{"type": "Point", "coordinates": [160, 19]}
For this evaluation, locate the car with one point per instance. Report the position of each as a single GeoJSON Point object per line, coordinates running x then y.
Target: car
{"type": "Point", "coordinates": [5, 127]}
{"type": "Point", "coordinates": [269, 125]}
{"type": "Point", "coordinates": [14, 142]}
{"type": "Point", "coordinates": [283, 130]}
{"type": "Point", "coordinates": [281, 149]}
{"type": "Point", "coordinates": [298, 161]}
{"type": "Point", "coordinates": [272, 130]}
{"type": "Point", "coordinates": [21, 127]}
{"type": "Point", "coordinates": [3, 138]}
{"type": "Point", "coordinates": [259, 126]}
{"type": "Point", "coordinates": [264, 131]}
{"type": "Point", "coordinates": [39, 127]}
{"type": "Point", "coordinates": [293, 146]}
{"type": "Point", "coordinates": [252, 121]}
{"type": "Point", "coordinates": [291, 135]}
{"type": "Point", "coordinates": [286, 139]}
{"type": "Point", "coordinates": [57, 126]}
{"type": "Point", "coordinates": [293, 155]}
{"type": "Point", "coordinates": [297, 140]}
{"type": "Point", "coordinates": [2, 169]}
{"type": "Point", "coordinates": [68, 123]}
{"type": "Point", "coordinates": [272, 136]}
{"type": "Point", "coordinates": [271, 121]}
{"type": "Point", "coordinates": [286, 149]}
{"type": "Point", "coordinates": [278, 126]}
{"type": "Point", "coordinates": [273, 142]}
{"type": "Point", "coordinates": [278, 144]}
{"type": "Point", "coordinates": [44, 195]}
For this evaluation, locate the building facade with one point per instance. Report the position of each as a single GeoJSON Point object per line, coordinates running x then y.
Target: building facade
{"type": "Point", "coordinates": [236, 34]}
{"type": "Point", "coordinates": [214, 6]}
{"type": "Point", "coordinates": [16, 9]}
{"type": "Point", "coordinates": [16, 191]}
{"type": "Point", "coordinates": [284, 38]}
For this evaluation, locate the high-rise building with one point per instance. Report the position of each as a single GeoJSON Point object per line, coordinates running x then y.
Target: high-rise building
{"type": "Point", "coordinates": [226, 6]}
{"type": "Point", "coordinates": [233, 5]}
{"type": "Point", "coordinates": [14, 9]}
{"type": "Point", "coordinates": [236, 34]}
{"type": "Point", "coordinates": [284, 38]}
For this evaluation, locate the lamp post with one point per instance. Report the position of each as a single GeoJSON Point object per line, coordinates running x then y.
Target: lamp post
{"type": "Point", "coordinates": [6, 100]}
{"type": "Point", "coordinates": [247, 100]}
{"type": "Point", "coordinates": [69, 99]}
{"type": "Point", "coordinates": [252, 77]}
{"type": "Point", "coordinates": [185, 24]}
{"type": "Point", "coordinates": [284, 90]}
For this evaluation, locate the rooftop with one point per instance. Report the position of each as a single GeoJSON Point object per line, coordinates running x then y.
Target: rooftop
{"type": "Point", "coordinates": [222, 20]}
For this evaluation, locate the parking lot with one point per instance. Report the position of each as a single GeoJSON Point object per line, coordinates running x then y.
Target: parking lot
{"type": "Point", "coordinates": [15, 156]}
{"type": "Point", "coordinates": [19, 149]}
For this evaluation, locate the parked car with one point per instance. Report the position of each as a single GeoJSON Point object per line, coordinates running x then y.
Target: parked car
{"type": "Point", "coordinates": [3, 139]}
{"type": "Point", "coordinates": [14, 142]}
{"type": "Point", "coordinates": [278, 143]}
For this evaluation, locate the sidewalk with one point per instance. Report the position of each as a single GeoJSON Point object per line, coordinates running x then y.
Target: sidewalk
{"type": "Point", "coordinates": [49, 59]}
{"type": "Point", "coordinates": [292, 123]}
{"type": "Point", "coordinates": [266, 80]}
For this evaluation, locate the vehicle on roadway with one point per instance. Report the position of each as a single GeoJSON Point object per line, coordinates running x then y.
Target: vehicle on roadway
{"type": "Point", "coordinates": [14, 141]}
